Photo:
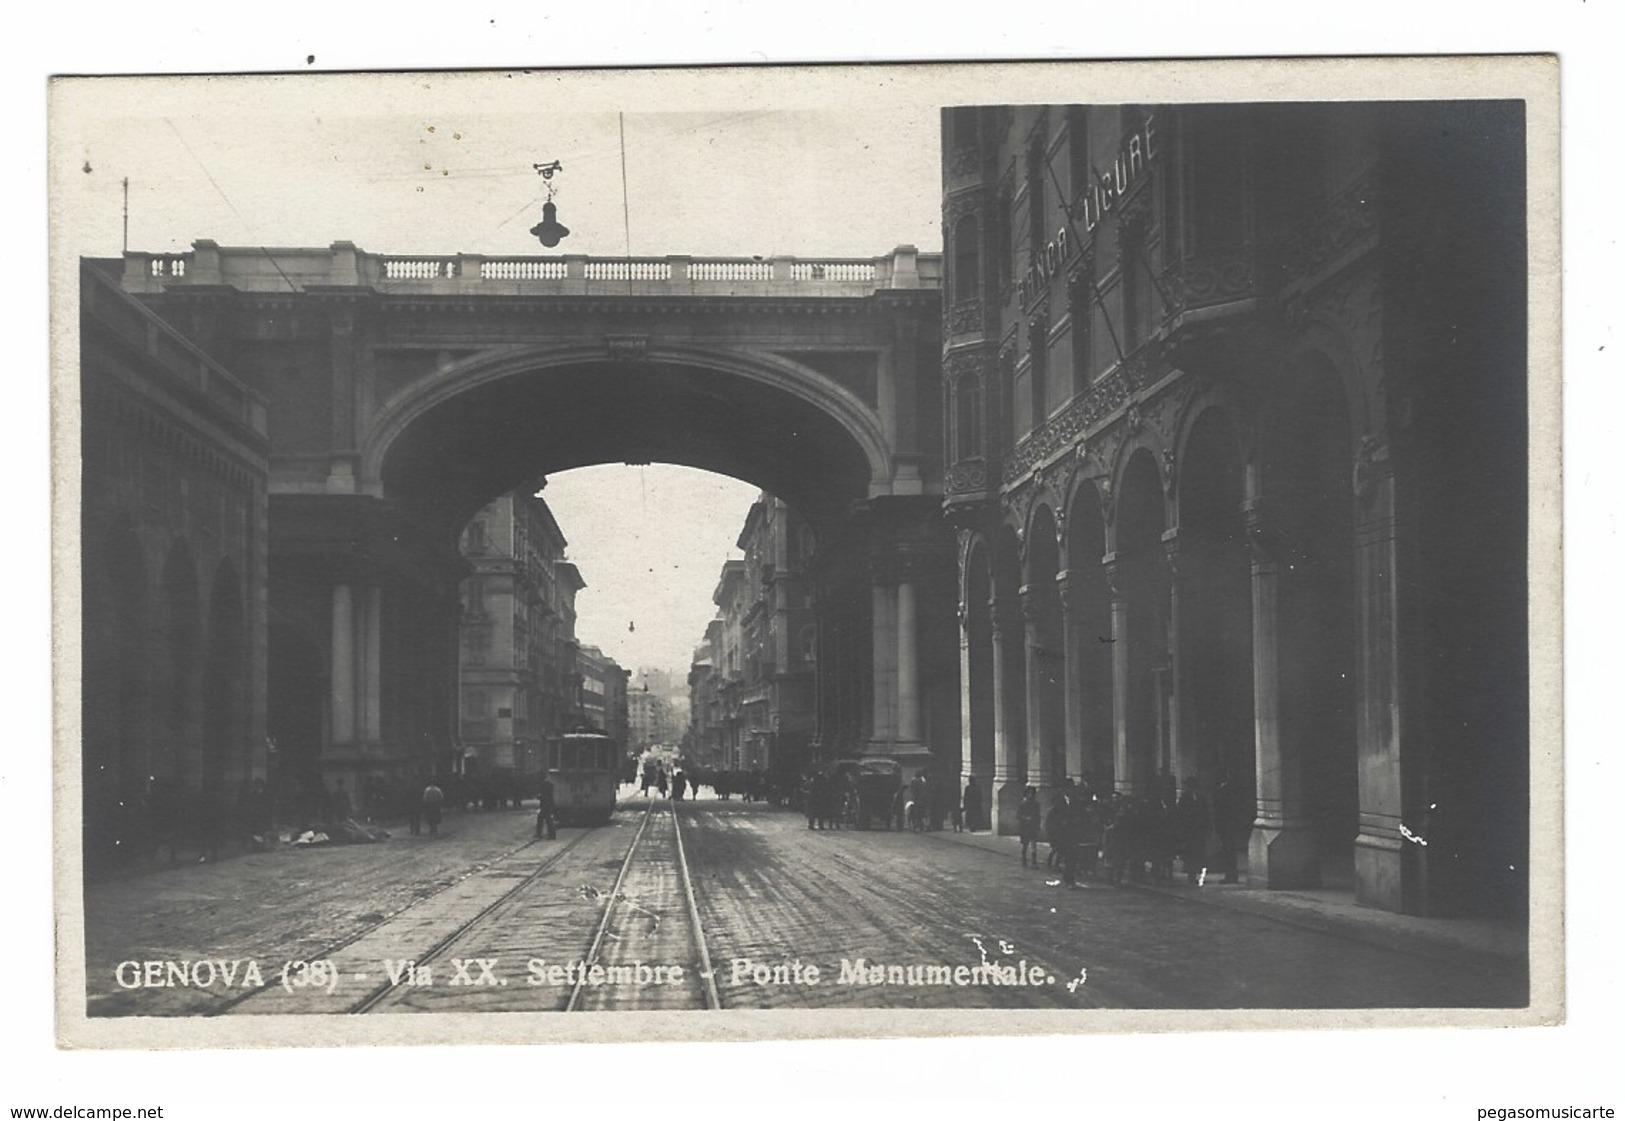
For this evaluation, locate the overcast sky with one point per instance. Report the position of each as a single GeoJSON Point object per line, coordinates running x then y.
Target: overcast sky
{"type": "Point", "coordinates": [445, 164]}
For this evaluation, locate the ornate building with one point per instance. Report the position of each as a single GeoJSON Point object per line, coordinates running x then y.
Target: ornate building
{"type": "Point", "coordinates": [1235, 429]}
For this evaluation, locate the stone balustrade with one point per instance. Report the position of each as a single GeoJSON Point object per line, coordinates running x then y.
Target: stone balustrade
{"type": "Point", "coordinates": [342, 265]}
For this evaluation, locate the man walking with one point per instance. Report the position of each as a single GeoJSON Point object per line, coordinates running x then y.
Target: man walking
{"type": "Point", "coordinates": [545, 823]}
{"type": "Point", "coordinates": [433, 800]}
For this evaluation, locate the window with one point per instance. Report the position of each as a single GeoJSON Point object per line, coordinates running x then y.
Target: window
{"type": "Point", "coordinates": [1038, 367]}
{"type": "Point", "coordinates": [967, 260]}
{"type": "Point", "coordinates": [1037, 220]}
{"type": "Point", "coordinates": [1004, 242]}
{"type": "Point", "coordinates": [969, 417]}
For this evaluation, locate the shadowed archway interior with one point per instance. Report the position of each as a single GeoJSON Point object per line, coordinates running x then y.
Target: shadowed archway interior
{"type": "Point", "coordinates": [500, 435]}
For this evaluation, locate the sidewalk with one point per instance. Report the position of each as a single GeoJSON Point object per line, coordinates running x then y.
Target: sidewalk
{"type": "Point", "coordinates": [1489, 943]}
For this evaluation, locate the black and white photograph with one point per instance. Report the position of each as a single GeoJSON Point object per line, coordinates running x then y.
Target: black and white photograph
{"type": "Point", "coordinates": [560, 548]}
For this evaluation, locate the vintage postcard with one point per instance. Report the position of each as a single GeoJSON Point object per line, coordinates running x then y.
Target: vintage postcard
{"type": "Point", "coordinates": [752, 553]}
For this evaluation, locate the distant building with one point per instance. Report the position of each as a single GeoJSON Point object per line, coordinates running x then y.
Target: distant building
{"type": "Point", "coordinates": [706, 740]}
{"type": "Point", "coordinates": [603, 692]}
{"type": "Point", "coordinates": [757, 679]}
{"type": "Point", "coordinates": [518, 636]}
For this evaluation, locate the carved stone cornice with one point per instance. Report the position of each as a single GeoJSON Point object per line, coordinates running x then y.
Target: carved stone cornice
{"type": "Point", "coordinates": [1118, 389]}
{"type": "Point", "coordinates": [1349, 219]}
{"type": "Point", "coordinates": [963, 318]}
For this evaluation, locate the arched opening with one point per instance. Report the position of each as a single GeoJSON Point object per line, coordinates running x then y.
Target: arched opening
{"type": "Point", "coordinates": [1046, 653]}
{"type": "Point", "coordinates": [1308, 487]}
{"type": "Point", "coordinates": [1010, 669]}
{"type": "Point", "coordinates": [1089, 612]}
{"type": "Point", "coordinates": [979, 668]}
{"type": "Point", "coordinates": [178, 756]}
{"type": "Point", "coordinates": [506, 421]}
{"type": "Point", "coordinates": [1141, 591]}
{"type": "Point", "coordinates": [296, 692]}
{"type": "Point", "coordinates": [1215, 616]}
{"type": "Point", "coordinates": [223, 715]}
{"type": "Point", "coordinates": [116, 708]}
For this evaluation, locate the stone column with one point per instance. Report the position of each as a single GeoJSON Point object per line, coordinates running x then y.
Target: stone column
{"type": "Point", "coordinates": [1007, 763]}
{"type": "Point", "coordinates": [908, 683]}
{"type": "Point", "coordinates": [1182, 756]}
{"type": "Point", "coordinates": [1039, 771]}
{"type": "Point", "coordinates": [1122, 772]}
{"type": "Point", "coordinates": [1379, 848]}
{"type": "Point", "coordinates": [1281, 851]}
{"type": "Point", "coordinates": [883, 727]}
{"type": "Point", "coordinates": [1072, 632]}
{"type": "Point", "coordinates": [342, 666]}
{"type": "Point", "coordinates": [966, 701]}
{"type": "Point", "coordinates": [372, 674]}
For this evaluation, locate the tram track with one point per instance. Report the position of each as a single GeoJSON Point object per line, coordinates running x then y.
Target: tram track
{"type": "Point", "coordinates": [647, 948]}
{"type": "Point", "coordinates": [437, 952]}
{"type": "Point", "coordinates": [338, 946]}
{"type": "Point", "coordinates": [664, 882]}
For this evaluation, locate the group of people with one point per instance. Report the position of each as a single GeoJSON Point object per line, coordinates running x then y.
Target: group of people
{"type": "Point", "coordinates": [1135, 836]}
{"type": "Point", "coordinates": [677, 783]}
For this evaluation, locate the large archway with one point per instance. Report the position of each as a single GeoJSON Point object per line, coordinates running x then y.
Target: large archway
{"type": "Point", "coordinates": [1215, 619]}
{"type": "Point", "coordinates": [223, 678]}
{"type": "Point", "coordinates": [1310, 471]}
{"type": "Point", "coordinates": [1046, 655]}
{"type": "Point", "coordinates": [443, 453]}
{"type": "Point", "coordinates": [178, 756]}
{"type": "Point", "coordinates": [1088, 613]}
{"type": "Point", "coordinates": [1139, 632]}
{"type": "Point", "coordinates": [377, 580]}
{"type": "Point", "coordinates": [1308, 805]}
{"type": "Point", "coordinates": [118, 711]}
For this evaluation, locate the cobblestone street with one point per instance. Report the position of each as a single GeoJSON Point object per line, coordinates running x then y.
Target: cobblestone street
{"type": "Point", "coordinates": [792, 918]}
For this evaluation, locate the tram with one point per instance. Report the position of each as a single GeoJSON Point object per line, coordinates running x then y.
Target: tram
{"type": "Point", "coordinates": [584, 765]}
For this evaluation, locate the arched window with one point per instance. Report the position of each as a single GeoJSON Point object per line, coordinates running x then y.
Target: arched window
{"type": "Point", "coordinates": [968, 416]}
{"type": "Point", "coordinates": [967, 260]}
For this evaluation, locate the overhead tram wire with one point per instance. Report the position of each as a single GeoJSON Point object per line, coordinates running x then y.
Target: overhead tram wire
{"type": "Point", "coordinates": [1072, 230]}
{"type": "Point", "coordinates": [626, 213]}
{"type": "Point", "coordinates": [253, 234]}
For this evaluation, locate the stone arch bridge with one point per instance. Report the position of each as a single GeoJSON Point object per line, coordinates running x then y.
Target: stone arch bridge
{"type": "Point", "coordinates": [395, 396]}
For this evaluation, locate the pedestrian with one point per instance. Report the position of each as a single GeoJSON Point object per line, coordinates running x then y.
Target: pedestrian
{"type": "Point", "coordinates": [919, 793]}
{"type": "Point", "coordinates": [660, 781]}
{"type": "Point", "coordinates": [1193, 822]}
{"type": "Point", "coordinates": [1028, 814]}
{"type": "Point", "coordinates": [433, 800]}
{"type": "Point", "coordinates": [545, 823]}
{"type": "Point", "coordinates": [971, 801]}
{"type": "Point", "coordinates": [679, 785]}
{"type": "Point", "coordinates": [1065, 829]}
{"type": "Point", "coordinates": [1228, 810]}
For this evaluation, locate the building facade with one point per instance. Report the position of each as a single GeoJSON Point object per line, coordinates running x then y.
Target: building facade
{"type": "Point", "coordinates": [706, 741]}
{"type": "Point", "coordinates": [517, 653]}
{"type": "Point", "coordinates": [753, 687]}
{"type": "Point", "coordinates": [174, 575]}
{"type": "Point", "coordinates": [603, 692]}
{"type": "Point", "coordinates": [1235, 430]}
